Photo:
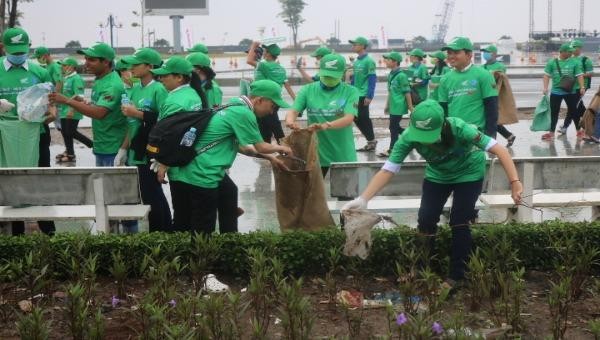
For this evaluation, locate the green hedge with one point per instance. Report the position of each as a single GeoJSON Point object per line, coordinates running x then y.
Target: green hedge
{"type": "Point", "coordinates": [302, 252]}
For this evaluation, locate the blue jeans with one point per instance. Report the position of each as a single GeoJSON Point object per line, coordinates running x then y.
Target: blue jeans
{"type": "Point", "coordinates": [597, 125]}
{"type": "Point", "coordinates": [103, 160]}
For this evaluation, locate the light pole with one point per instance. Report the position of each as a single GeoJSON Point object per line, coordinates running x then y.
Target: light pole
{"type": "Point", "coordinates": [110, 24]}
{"type": "Point", "coordinates": [141, 16]}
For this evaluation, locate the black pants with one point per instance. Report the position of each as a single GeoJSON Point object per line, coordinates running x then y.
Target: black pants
{"type": "Point", "coordinates": [69, 132]}
{"type": "Point", "coordinates": [47, 227]}
{"type": "Point", "coordinates": [363, 121]}
{"type": "Point", "coordinates": [324, 170]}
{"type": "Point", "coordinates": [578, 113]}
{"type": "Point", "coordinates": [504, 131]}
{"type": "Point", "coordinates": [555, 101]}
{"type": "Point", "coordinates": [462, 212]}
{"type": "Point", "coordinates": [228, 206]}
{"type": "Point", "coordinates": [395, 129]}
{"type": "Point", "coordinates": [194, 208]}
{"type": "Point", "coordinates": [159, 218]}
{"type": "Point", "coordinates": [270, 126]}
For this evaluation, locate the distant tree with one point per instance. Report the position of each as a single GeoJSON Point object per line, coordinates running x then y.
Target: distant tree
{"type": "Point", "coordinates": [245, 42]}
{"type": "Point", "coordinates": [419, 40]}
{"type": "Point", "coordinates": [9, 13]}
{"type": "Point", "coordinates": [291, 12]}
{"type": "Point", "coordinates": [506, 37]}
{"type": "Point", "coordinates": [162, 43]}
{"type": "Point", "coordinates": [73, 44]}
{"type": "Point", "coordinates": [333, 41]}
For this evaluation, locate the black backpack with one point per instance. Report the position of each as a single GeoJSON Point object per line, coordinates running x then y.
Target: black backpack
{"type": "Point", "coordinates": [165, 137]}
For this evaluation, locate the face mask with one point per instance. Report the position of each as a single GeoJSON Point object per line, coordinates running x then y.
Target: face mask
{"type": "Point", "coordinates": [330, 81]}
{"type": "Point", "coordinates": [486, 56]}
{"type": "Point", "coordinates": [16, 59]}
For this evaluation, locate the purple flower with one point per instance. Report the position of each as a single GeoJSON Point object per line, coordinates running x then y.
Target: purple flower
{"type": "Point", "coordinates": [437, 329]}
{"type": "Point", "coordinates": [115, 301]}
{"type": "Point", "coordinates": [401, 319]}
{"type": "Point", "coordinates": [173, 303]}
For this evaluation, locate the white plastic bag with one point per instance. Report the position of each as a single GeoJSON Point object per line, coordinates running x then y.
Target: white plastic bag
{"type": "Point", "coordinates": [32, 103]}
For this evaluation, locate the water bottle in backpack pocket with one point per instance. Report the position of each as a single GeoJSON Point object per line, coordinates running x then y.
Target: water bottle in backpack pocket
{"type": "Point", "coordinates": [189, 138]}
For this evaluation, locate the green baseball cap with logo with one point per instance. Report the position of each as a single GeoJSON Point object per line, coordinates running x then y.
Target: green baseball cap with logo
{"type": "Point", "coordinates": [490, 49]}
{"type": "Point", "coordinates": [99, 50]}
{"type": "Point", "coordinates": [199, 48]}
{"type": "Point", "coordinates": [439, 55]}
{"type": "Point", "coordinates": [174, 65]}
{"type": "Point", "coordinates": [459, 43]}
{"type": "Point", "coordinates": [417, 52]}
{"type": "Point", "coordinates": [321, 52]}
{"type": "Point", "coordinates": [359, 41]}
{"type": "Point", "coordinates": [144, 55]}
{"type": "Point", "coordinates": [40, 52]}
{"type": "Point", "coordinates": [15, 40]}
{"type": "Point", "coordinates": [576, 43]}
{"type": "Point", "coordinates": [332, 65]}
{"type": "Point", "coordinates": [68, 62]}
{"type": "Point", "coordinates": [268, 89]}
{"type": "Point", "coordinates": [199, 59]}
{"type": "Point", "coordinates": [426, 123]}
{"type": "Point", "coordinates": [395, 56]}
{"type": "Point", "coordinates": [566, 47]}
{"type": "Point", "coordinates": [273, 49]}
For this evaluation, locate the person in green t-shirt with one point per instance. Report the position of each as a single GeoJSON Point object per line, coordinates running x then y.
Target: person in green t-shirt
{"type": "Point", "coordinates": [399, 101]}
{"type": "Point", "coordinates": [555, 70]}
{"type": "Point", "coordinates": [73, 87]}
{"type": "Point", "coordinates": [202, 67]}
{"type": "Point", "coordinates": [588, 68]}
{"type": "Point", "coordinates": [440, 68]}
{"type": "Point", "coordinates": [318, 54]}
{"type": "Point", "coordinates": [468, 91]}
{"type": "Point", "coordinates": [417, 73]}
{"type": "Point", "coordinates": [269, 126]}
{"type": "Point", "coordinates": [331, 107]}
{"type": "Point", "coordinates": [456, 165]}
{"type": "Point", "coordinates": [364, 79]}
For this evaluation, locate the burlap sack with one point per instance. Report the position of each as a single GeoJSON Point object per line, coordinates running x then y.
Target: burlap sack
{"type": "Point", "coordinates": [588, 119]}
{"type": "Point", "coordinates": [300, 192]}
{"type": "Point", "coordinates": [507, 107]}
{"type": "Point", "coordinates": [358, 225]}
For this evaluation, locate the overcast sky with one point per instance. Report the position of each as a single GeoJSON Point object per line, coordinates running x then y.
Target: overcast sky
{"type": "Point", "coordinates": [54, 22]}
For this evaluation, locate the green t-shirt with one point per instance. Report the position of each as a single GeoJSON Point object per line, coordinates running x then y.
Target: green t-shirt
{"type": "Point", "coordinates": [436, 77]}
{"type": "Point", "coordinates": [270, 70]}
{"type": "Point", "coordinates": [587, 67]}
{"type": "Point", "coordinates": [55, 72]}
{"type": "Point", "coordinates": [73, 85]}
{"type": "Point", "coordinates": [183, 98]}
{"type": "Point", "coordinates": [214, 96]}
{"type": "Point", "coordinates": [398, 87]}
{"type": "Point", "coordinates": [495, 67]}
{"type": "Point", "coordinates": [463, 161]}
{"type": "Point", "coordinates": [17, 79]}
{"type": "Point", "coordinates": [233, 126]}
{"type": "Point", "coordinates": [363, 67]}
{"type": "Point", "coordinates": [416, 74]}
{"type": "Point", "coordinates": [570, 66]}
{"type": "Point", "coordinates": [145, 98]}
{"type": "Point", "coordinates": [326, 105]}
{"type": "Point", "coordinates": [110, 131]}
{"type": "Point", "coordinates": [464, 92]}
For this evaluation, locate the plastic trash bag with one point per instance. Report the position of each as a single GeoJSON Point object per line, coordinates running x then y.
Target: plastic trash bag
{"type": "Point", "coordinates": [541, 116]}
{"type": "Point", "coordinates": [32, 103]}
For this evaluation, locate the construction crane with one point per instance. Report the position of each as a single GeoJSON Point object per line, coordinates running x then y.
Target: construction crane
{"type": "Point", "coordinates": [442, 21]}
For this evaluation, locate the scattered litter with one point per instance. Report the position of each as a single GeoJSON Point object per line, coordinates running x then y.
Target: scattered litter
{"type": "Point", "coordinates": [243, 290]}
{"type": "Point", "coordinates": [352, 298]}
{"type": "Point", "coordinates": [25, 305]}
{"type": "Point", "coordinates": [277, 321]}
{"type": "Point", "coordinates": [59, 295]}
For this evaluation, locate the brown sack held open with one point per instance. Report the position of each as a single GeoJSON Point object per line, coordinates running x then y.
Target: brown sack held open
{"type": "Point", "coordinates": [588, 120]}
{"type": "Point", "coordinates": [507, 107]}
{"type": "Point", "coordinates": [300, 192]}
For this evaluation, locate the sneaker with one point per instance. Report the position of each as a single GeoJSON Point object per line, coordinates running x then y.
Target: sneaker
{"type": "Point", "coordinates": [371, 146]}
{"type": "Point", "coordinates": [212, 285]}
{"type": "Point", "coordinates": [510, 140]}
{"type": "Point", "coordinates": [548, 136]}
{"type": "Point", "coordinates": [562, 130]}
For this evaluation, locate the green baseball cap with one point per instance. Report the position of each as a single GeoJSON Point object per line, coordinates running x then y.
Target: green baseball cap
{"type": "Point", "coordinates": [566, 47]}
{"type": "Point", "coordinates": [268, 89]}
{"type": "Point", "coordinates": [68, 61]}
{"type": "Point", "coordinates": [40, 51]}
{"type": "Point", "coordinates": [121, 66]}
{"type": "Point", "coordinates": [395, 56]}
{"type": "Point", "coordinates": [15, 40]}
{"type": "Point", "coordinates": [576, 43]}
{"type": "Point", "coordinates": [174, 65]}
{"type": "Point", "coordinates": [490, 48]}
{"type": "Point", "coordinates": [417, 52]}
{"type": "Point", "coordinates": [439, 55]}
{"type": "Point", "coordinates": [426, 123]}
{"type": "Point", "coordinates": [359, 41]}
{"type": "Point", "coordinates": [321, 52]}
{"type": "Point", "coordinates": [459, 43]}
{"type": "Point", "coordinates": [144, 55]}
{"type": "Point", "coordinates": [199, 59]}
{"type": "Point", "coordinates": [199, 48]}
{"type": "Point", "coordinates": [99, 50]}
{"type": "Point", "coordinates": [332, 65]}
{"type": "Point", "coordinates": [273, 49]}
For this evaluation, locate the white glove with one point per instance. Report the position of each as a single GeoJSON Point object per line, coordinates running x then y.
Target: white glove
{"type": "Point", "coordinates": [357, 203]}
{"type": "Point", "coordinates": [5, 105]}
{"type": "Point", "coordinates": [154, 164]}
{"type": "Point", "coordinates": [120, 158]}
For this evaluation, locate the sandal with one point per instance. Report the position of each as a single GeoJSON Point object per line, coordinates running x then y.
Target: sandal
{"type": "Point", "coordinates": [67, 159]}
{"type": "Point", "coordinates": [61, 155]}
{"type": "Point", "coordinates": [385, 154]}
{"type": "Point", "coordinates": [510, 140]}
